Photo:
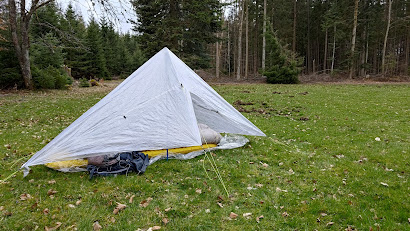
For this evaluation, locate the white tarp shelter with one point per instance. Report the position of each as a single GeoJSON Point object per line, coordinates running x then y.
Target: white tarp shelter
{"type": "Point", "coordinates": [158, 106]}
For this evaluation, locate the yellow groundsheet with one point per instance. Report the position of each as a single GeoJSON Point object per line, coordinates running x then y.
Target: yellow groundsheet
{"type": "Point", "coordinates": [151, 153]}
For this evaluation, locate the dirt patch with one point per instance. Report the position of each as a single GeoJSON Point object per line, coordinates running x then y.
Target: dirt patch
{"type": "Point", "coordinates": [209, 77]}
{"type": "Point", "coordinates": [344, 78]}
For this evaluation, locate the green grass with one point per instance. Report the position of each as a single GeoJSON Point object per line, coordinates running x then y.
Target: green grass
{"type": "Point", "coordinates": [323, 164]}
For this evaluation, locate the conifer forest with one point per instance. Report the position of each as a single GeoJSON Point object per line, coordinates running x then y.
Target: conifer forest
{"type": "Point", "coordinates": [45, 45]}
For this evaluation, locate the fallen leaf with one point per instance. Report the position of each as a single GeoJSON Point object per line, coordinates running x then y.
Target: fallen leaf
{"type": "Point", "coordinates": [51, 192]}
{"type": "Point", "coordinates": [198, 190]}
{"type": "Point", "coordinates": [220, 198]}
{"type": "Point", "coordinates": [52, 181]}
{"type": "Point", "coordinates": [247, 215]}
{"type": "Point", "coordinates": [329, 223]}
{"type": "Point", "coordinates": [377, 139]}
{"type": "Point", "coordinates": [384, 184]}
{"type": "Point", "coordinates": [259, 218]}
{"type": "Point", "coordinates": [7, 213]}
{"type": "Point", "coordinates": [58, 224]}
{"type": "Point", "coordinates": [156, 228]}
{"type": "Point", "coordinates": [233, 215]}
{"type": "Point", "coordinates": [71, 206]}
{"type": "Point", "coordinates": [25, 196]}
{"type": "Point", "coordinates": [46, 211]}
{"type": "Point", "coordinates": [259, 185]}
{"type": "Point", "coordinates": [146, 202]}
{"type": "Point", "coordinates": [119, 208]}
{"type": "Point", "coordinates": [285, 214]}
{"type": "Point", "coordinates": [78, 202]}
{"type": "Point", "coordinates": [112, 219]}
{"type": "Point", "coordinates": [1, 208]}
{"type": "Point", "coordinates": [31, 181]}
{"type": "Point", "coordinates": [265, 165]}
{"type": "Point", "coordinates": [97, 226]}
{"type": "Point", "coordinates": [251, 162]}
{"type": "Point", "coordinates": [8, 146]}
{"type": "Point", "coordinates": [131, 199]}
{"type": "Point", "coordinates": [220, 204]}
{"type": "Point", "coordinates": [165, 220]}
{"type": "Point", "coordinates": [168, 209]}
{"type": "Point", "coordinates": [323, 214]}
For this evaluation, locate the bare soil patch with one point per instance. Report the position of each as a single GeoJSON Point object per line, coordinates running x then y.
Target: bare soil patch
{"type": "Point", "coordinates": [209, 76]}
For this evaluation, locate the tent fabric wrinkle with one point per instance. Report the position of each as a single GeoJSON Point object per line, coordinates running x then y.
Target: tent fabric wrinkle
{"type": "Point", "coordinates": [157, 107]}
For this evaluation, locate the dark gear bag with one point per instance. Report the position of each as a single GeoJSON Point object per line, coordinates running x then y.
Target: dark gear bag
{"type": "Point", "coordinates": [127, 162]}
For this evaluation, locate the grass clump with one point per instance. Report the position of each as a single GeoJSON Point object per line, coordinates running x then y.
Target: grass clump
{"type": "Point", "coordinates": [327, 152]}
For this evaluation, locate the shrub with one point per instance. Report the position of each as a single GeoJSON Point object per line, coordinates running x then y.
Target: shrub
{"type": "Point", "coordinates": [50, 78]}
{"type": "Point", "coordinates": [94, 82]}
{"type": "Point", "coordinates": [84, 82]}
{"type": "Point", "coordinates": [42, 78]}
{"type": "Point", "coordinates": [282, 75]}
{"type": "Point", "coordinates": [9, 77]}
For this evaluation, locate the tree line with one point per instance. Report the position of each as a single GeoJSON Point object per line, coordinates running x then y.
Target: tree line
{"type": "Point", "coordinates": [240, 39]}
{"type": "Point", "coordinates": [354, 38]}
{"type": "Point", "coordinates": [58, 39]}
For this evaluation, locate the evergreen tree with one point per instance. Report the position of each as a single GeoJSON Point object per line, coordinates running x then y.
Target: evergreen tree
{"type": "Point", "coordinates": [282, 67]}
{"type": "Point", "coordinates": [96, 63]}
{"type": "Point", "coordinates": [47, 20]}
{"type": "Point", "coordinates": [74, 42]}
{"type": "Point", "coordinates": [109, 40]}
{"type": "Point", "coordinates": [10, 74]}
{"type": "Point", "coordinates": [184, 27]}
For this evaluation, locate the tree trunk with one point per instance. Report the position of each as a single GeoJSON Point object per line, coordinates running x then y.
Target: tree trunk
{"type": "Point", "coordinates": [406, 65]}
{"type": "Point", "coordinates": [334, 50]}
{"type": "Point", "coordinates": [308, 57]}
{"type": "Point", "coordinates": [325, 53]}
{"type": "Point", "coordinates": [247, 40]}
{"type": "Point", "coordinates": [217, 59]}
{"type": "Point", "coordinates": [264, 36]}
{"type": "Point", "coordinates": [363, 53]}
{"type": "Point", "coordinates": [356, 10]}
{"type": "Point", "coordinates": [294, 27]}
{"type": "Point", "coordinates": [238, 67]}
{"type": "Point", "coordinates": [21, 45]}
{"type": "Point", "coordinates": [229, 52]}
{"type": "Point", "coordinates": [20, 38]}
{"type": "Point", "coordinates": [385, 37]}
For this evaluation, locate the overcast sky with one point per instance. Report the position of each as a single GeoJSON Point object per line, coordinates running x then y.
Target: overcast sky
{"type": "Point", "coordinates": [118, 13]}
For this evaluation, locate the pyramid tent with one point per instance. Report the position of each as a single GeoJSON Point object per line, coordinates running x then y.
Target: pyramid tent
{"type": "Point", "coordinates": [158, 106]}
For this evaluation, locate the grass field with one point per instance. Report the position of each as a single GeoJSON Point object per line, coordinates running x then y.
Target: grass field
{"type": "Point", "coordinates": [335, 157]}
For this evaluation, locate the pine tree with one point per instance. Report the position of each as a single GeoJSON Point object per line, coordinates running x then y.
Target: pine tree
{"type": "Point", "coordinates": [186, 28]}
{"type": "Point", "coordinates": [282, 67]}
{"type": "Point", "coordinates": [74, 43]}
{"type": "Point", "coordinates": [96, 66]}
